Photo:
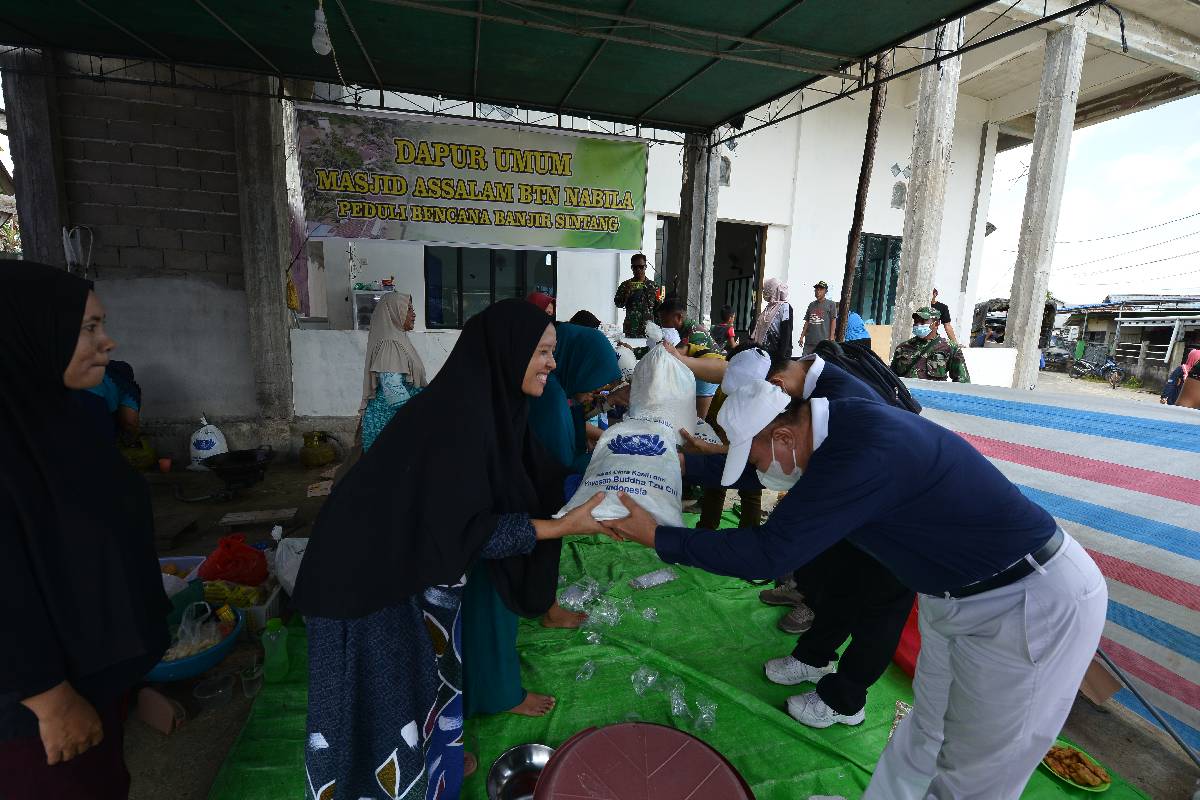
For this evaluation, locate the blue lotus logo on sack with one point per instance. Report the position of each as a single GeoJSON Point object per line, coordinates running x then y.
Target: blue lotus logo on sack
{"type": "Point", "coordinates": [204, 444]}
{"type": "Point", "coordinates": [641, 444]}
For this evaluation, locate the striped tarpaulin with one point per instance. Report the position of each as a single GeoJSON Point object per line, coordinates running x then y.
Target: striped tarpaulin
{"type": "Point", "coordinates": [1124, 479]}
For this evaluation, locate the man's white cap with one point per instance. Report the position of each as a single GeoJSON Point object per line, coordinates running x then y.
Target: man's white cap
{"type": "Point", "coordinates": [745, 368]}
{"type": "Point", "coordinates": [743, 416]}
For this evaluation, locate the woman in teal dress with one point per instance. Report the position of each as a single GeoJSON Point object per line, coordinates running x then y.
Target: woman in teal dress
{"type": "Point", "coordinates": [586, 362]}
{"type": "Point", "coordinates": [394, 373]}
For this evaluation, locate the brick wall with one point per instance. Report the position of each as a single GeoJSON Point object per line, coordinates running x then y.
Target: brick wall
{"type": "Point", "coordinates": [152, 172]}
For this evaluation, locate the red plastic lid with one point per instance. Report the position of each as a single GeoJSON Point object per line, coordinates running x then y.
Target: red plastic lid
{"type": "Point", "coordinates": [639, 761]}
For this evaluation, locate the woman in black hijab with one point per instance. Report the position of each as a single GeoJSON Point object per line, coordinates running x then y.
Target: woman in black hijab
{"type": "Point", "coordinates": [76, 550]}
{"type": "Point", "coordinates": [455, 476]}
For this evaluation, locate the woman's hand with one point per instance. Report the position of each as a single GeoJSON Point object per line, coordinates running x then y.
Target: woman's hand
{"type": "Point", "coordinates": [593, 435]}
{"type": "Point", "coordinates": [577, 522]}
{"type": "Point", "coordinates": [694, 445]}
{"type": "Point", "coordinates": [67, 724]}
{"type": "Point", "coordinates": [638, 527]}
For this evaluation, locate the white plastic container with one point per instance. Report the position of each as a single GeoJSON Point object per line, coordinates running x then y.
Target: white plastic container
{"type": "Point", "coordinates": [257, 616]}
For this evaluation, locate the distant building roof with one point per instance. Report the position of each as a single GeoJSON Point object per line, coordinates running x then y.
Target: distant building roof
{"type": "Point", "coordinates": [1141, 302]}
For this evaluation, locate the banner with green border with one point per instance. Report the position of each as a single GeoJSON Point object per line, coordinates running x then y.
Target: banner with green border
{"type": "Point", "coordinates": [384, 176]}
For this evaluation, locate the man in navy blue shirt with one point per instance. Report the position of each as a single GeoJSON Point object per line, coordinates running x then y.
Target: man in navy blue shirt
{"type": "Point", "coordinates": [1011, 608]}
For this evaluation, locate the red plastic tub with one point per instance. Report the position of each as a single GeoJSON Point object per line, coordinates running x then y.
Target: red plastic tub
{"type": "Point", "coordinates": [639, 761]}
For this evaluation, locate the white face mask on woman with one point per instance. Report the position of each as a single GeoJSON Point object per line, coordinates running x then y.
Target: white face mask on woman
{"type": "Point", "coordinates": [775, 478]}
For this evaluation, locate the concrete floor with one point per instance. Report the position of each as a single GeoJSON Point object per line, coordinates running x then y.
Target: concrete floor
{"type": "Point", "coordinates": [184, 765]}
{"type": "Point", "coordinates": [1062, 383]}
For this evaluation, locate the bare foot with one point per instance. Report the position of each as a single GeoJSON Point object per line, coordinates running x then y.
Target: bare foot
{"type": "Point", "coordinates": [559, 617]}
{"type": "Point", "coordinates": [470, 764]}
{"type": "Point", "coordinates": [534, 705]}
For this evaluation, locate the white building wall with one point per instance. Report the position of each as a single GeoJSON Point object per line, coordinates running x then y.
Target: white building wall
{"type": "Point", "coordinates": [830, 156]}
{"type": "Point", "coordinates": [798, 178]}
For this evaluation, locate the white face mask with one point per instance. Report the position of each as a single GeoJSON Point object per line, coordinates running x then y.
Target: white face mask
{"type": "Point", "coordinates": [775, 478]}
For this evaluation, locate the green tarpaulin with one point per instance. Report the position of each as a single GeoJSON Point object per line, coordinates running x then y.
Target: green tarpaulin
{"type": "Point", "coordinates": [711, 632]}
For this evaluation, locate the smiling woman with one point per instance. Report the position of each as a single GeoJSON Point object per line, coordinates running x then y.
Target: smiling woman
{"type": "Point", "coordinates": [381, 592]}
{"type": "Point", "coordinates": [80, 637]}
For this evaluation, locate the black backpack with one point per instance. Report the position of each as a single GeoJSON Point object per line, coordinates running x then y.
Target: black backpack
{"type": "Point", "coordinates": [869, 368]}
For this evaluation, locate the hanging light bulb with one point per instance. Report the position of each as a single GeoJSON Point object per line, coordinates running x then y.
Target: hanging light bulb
{"type": "Point", "coordinates": [320, 38]}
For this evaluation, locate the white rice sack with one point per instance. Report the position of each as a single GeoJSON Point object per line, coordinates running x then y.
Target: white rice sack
{"type": "Point", "coordinates": [655, 334]}
{"type": "Point", "coordinates": [626, 362]}
{"type": "Point", "coordinates": [663, 390]}
{"type": "Point", "coordinates": [706, 433]}
{"type": "Point", "coordinates": [637, 457]}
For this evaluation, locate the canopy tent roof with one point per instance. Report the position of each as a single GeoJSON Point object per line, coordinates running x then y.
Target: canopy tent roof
{"type": "Point", "coordinates": [684, 66]}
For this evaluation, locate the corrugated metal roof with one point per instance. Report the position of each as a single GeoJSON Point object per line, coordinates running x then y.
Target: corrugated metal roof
{"type": "Point", "coordinates": [661, 63]}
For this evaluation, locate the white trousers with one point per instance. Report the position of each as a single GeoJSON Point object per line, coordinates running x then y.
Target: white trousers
{"type": "Point", "coordinates": [995, 680]}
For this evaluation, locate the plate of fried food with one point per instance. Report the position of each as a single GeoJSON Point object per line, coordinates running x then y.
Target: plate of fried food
{"type": "Point", "coordinates": [1071, 765]}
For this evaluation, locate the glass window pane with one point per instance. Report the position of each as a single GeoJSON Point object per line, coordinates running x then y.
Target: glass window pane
{"type": "Point", "coordinates": [540, 272]}
{"type": "Point", "coordinates": [507, 265]}
{"type": "Point", "coordinates": [477, 280]}
{"type": "Point", "coordinates": [893, 277]}
{"type": "Point", "coordinates": [441, 287]}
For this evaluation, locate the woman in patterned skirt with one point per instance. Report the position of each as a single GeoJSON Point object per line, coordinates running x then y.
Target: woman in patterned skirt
{"type": "Point", "coordinates": [455, 477]}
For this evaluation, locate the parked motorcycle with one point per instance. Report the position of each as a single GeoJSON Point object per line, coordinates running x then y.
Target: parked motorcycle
{"type": "Point", "coordinates": [1109, 371]}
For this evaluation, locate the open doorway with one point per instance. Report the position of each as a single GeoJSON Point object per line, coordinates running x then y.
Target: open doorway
{"type": "Point", "coordinates": [737, 267]}
{"type": "Point", "coordinates": [666, 234]}
{"type": "Point", "coordinates": [737, 271]}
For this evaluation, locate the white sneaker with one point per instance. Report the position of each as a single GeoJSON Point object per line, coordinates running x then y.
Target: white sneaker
{"type": "Point", "coordinates": [809, 709]}
{"type": "Point", "coordinates": [788, 671]}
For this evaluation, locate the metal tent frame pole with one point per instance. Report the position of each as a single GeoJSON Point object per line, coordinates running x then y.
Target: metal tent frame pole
{"type": "Point", "coordinates": [1149, 707]}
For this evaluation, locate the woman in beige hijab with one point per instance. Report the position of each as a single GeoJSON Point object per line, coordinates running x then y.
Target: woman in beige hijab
{"type": "Point", "coordinates": [394, 373]}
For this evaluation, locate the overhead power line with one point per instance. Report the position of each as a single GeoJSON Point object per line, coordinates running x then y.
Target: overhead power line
{"type": "Point", "coordinates": [1148, 279]}
{"type": "Point", "coordinates": [1127, 252]}
{"type": "Point", "coordinates": [1130, 233]}
{"type": "Point", "coordinates": [1146, 263]}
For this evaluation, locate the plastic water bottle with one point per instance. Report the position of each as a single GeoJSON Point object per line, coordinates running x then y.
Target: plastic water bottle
{"type": "Point", "coordinates": [275, 659]}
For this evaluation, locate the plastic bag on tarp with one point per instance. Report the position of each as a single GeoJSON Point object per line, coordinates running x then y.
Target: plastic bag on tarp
{"type": "Point", "coordinates": [579, 594]}
{"type": "Point", "coordinates": [652, 579]}
{"type": "Point", "coordinates": [236, 562]}
{"type": "Point", "coordinates": [639, 458]}
{"type": "Point", "coordinates": [663, 390]}
{"type": "Point", "coordinates": [288, 555]}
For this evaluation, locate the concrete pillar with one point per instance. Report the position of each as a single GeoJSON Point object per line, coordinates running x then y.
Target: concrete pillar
{"type": "Point", "coordinates": [266, 254]}
{"type": "Point", "coordinates": [30, 103]}
{"type": "Point", "coordinates": [933, 138]}
{"type": "Point", "coordinates": [1047, 174]}
{"type": "Point", "coordinates": [973, 259]}
{"type": "Point", "coordinates": [692, 255]}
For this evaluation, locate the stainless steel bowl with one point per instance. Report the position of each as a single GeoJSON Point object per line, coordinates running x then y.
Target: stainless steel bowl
{"type": "Point", "coordinates": [515, 773]}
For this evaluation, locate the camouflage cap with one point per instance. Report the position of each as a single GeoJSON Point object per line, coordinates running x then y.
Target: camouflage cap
{"type": "Point", "coordinates": [820, 285]}
{"type": "Point", "coordinates": [927, 313]}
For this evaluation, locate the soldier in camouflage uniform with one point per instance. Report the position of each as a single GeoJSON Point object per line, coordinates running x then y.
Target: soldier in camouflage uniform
{"type": "Point", "coordinates": [640, 297]}
{"type": "Point", "coordinates": [927, 355]}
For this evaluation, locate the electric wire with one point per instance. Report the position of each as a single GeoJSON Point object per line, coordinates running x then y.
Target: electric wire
{"type": "Point", "coordinates": [1129, 233]}
{"type": "Point", "coordinates": [1127, 252]}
